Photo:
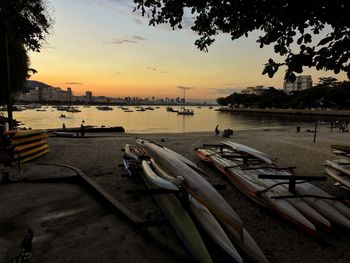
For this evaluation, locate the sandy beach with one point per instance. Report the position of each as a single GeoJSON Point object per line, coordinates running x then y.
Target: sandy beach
{"type": "Point", "coordinates": [71, 225]}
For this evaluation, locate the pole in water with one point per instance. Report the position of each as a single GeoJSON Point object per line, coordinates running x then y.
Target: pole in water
{"type": "Point", "coordinates": [315, 131]}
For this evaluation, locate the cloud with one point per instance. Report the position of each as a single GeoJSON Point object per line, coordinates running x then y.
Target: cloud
{"type": "Point", "coordinates": [228, 90]}
{"type": "Point", "coordinates": [118, 73]}
{"type": "Point", "coordinates": [151, 68]}
{"type": "Point", "coordinates": [131, 40]}
{"type": "Point", "coordinates": [138, 38]}
{"type": "Point", "coordinates": [122, 6]}
{"type": "Point", "coordinates": [138, 21]}
{"type": "Point", "coordinates": [122, 41]}
{"type": "Point", "coordinates": [73, 83]}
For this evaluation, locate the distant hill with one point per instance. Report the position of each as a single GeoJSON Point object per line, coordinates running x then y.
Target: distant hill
{"type": "Point", "coordinates": [30, 84]}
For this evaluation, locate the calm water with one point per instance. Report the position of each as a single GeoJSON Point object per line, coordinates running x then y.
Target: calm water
{"type": "Point", "coordinates": [159, 120]}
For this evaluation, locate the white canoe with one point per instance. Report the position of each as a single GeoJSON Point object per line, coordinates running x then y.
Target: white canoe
{"type": "Point", "coordinates": [213, 229]}
{"type": "Point", "coordinates": [341, 165]}
{"type": "Point", "coordinates": [207, 221]}
{"type": "Point", "coordinates": [129, 153]}
{"type": "Point", "coordinates": [248, 150]}
{"type": "Point", "coordinates": [247, 245]}
{"type": "Point", "coordinates": [342, 148]}
{"type": "Point", "coordinates": [194, 184]}
{"type": "Point", "coordinates": [247, 181]}
{"type": "Point", "coordinates": [333, 210]}
{"type": "Point", "coordinates": [338, 176]}
{"type": "Point", "coordinates": [185, 160]}
{"type": "Point", "coordinates": [155, 179]}
{"type": "Point", "coordinates": [177, 181]}
{"type": "Point", "coordinates": [182, 223]}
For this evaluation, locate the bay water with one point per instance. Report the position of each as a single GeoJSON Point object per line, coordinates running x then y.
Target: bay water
{"type": "Point", "coordinates": [160, 120]}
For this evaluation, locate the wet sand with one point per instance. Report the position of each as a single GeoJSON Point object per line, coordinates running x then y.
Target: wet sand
{"type": "Point", "coordinates": [70, 225]}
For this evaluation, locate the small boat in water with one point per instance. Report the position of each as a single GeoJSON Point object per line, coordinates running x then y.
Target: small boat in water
{"type": "Point", "coordinates": [185, 112]}
{"type": "Point", "coordinates": [73, 110]}
{"type": "Point", "coordinates": [104, 108]}
{"type": "Point", "coordinates": [170, 109]}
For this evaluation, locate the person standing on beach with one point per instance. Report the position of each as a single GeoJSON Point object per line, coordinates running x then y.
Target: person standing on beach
{"type": "Point", "coordinates": [82, 129]}
{"type": "Point", "coordinates": [217, 132]}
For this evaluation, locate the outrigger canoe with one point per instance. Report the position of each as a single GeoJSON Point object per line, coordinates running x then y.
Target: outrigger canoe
{"type": "Point", "coordinates": [180, 220]}
{"type": "Point", "coordinates": [340, 165]}
{"type": "Point", "coordinates": [155, 179]}
{"type": "Point", "coordinates": [340, 177]}
{"type": "Point", "coordinates": [237, 147]}
{"type": "Point", "coordinates": [194, 184]}
{"type": "Point", "coordinates": [343, 148]}
{"type": "Point", "coordinates": [205, 219]}
{"type": "Point", "coordinates": [213, 229]}
{"type": "Point", "coordinates": [253, 187]}
{"type": "Point", "coordinates": [247, 245]}
{"type": "Point", "coordinates": [313, 204]}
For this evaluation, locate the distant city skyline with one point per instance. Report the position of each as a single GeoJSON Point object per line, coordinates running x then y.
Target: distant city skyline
{"type": "Point", "coordinates": [103, 47]}
{"type": "Point", "coordinates": [44, 93]}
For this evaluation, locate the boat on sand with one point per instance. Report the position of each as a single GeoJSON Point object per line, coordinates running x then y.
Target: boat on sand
{"type": "Point", "coordinates": [307, 207]}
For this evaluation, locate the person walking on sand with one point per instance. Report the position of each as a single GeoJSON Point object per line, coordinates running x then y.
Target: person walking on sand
{"type": "Point", "coordinates": [217, 132]}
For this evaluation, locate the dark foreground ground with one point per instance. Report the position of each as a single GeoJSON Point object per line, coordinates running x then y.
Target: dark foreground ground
{"type": "Point", "coordinates": [71, 225]}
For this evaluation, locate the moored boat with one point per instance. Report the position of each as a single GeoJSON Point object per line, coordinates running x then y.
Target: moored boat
{"type": "Point", "coordinates": [185, 112]}
{"type": "Point", "coordinates": [104, 108]}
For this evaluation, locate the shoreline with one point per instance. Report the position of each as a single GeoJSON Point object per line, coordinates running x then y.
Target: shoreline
{"type": "Point", "coordinates": [331, 113]}
{"type": "Point", "coordinates": [69, 224]}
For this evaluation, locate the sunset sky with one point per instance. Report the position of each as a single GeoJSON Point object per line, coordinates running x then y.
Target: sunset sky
{"type": "Point", "coordinates": [102, 46]}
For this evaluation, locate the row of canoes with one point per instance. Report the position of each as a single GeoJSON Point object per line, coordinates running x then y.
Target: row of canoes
{"type": "Point", "coordinates": [339, 169]}
{"type": "Point", "coordinates": [27, 145]}
{"type": "Point", "coordinates": [192, 205]}
{"type": "Point", "coordinates": [307, 206]}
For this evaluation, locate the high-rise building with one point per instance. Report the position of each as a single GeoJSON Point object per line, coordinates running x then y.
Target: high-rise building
{"type": "Point", "coordinates": [69, 94]}
{"type": "Point", "coordinates": [88, 96]}
{"type": "Point", "coordinates": [301, 83]}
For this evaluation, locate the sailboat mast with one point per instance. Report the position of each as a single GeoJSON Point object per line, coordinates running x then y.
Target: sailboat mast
{"type": "Point", "coordinates": [184, 98]}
